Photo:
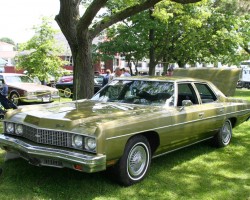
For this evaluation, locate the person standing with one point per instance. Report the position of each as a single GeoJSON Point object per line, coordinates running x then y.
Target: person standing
{"type": "Point", "coordinates": [4, 89]}
{"type": "Point", "coordinates": [126, 72]}
{"type": "Point", "coordinates": [117, 73]}
{"type": "Point", "coordinates": [106, 78]}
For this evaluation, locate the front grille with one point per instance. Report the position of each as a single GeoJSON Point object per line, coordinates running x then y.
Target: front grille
{"type": "Point", "coordinates": [50, 137]}
{"type": "Point", "coordinates": [43, 94]}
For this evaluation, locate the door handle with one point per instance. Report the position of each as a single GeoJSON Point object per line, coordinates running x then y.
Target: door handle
{"type": "Point", "coordinates": [221, 110]}
{"type": "Point", "coordinates": [201, 114]}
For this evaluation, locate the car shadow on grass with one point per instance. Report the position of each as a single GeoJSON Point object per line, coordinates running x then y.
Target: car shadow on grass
{"type": "Point", "coordinates": [184, 174]}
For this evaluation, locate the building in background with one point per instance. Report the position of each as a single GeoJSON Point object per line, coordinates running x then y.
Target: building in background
{"type": "Point", "coordinates": [7, 55]}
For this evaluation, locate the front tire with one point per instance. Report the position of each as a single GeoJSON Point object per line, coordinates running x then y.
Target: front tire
{"type": "Point", "coordinates": [15, 98]}
{"type": "Point", "coordinates": [223, 137]}
{"type": "Point", "coordinates": [135, 162]}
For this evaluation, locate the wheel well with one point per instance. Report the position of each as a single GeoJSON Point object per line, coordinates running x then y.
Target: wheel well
{"type": "Point", "coordinates": [233, 121]}
{"type": "Point", "coordinates": [14, 92]}
{"type": "Point", "coordinates": [153, 139]}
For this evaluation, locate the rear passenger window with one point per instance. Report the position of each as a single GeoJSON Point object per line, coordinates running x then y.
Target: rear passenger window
{"type": "Point", "coordinates": [206, 94]}
{"type": "Point", "coordinates": [186, 92]}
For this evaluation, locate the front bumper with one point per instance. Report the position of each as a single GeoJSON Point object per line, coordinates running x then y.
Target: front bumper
{"type": "Point", "coordinates": [54, 157]}
{"type": "Point", "coordinates": [29, 99]}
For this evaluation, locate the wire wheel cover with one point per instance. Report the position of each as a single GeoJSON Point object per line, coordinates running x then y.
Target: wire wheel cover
{"type": "Point", "coordinates": [226, 133]}
{"type": "Point", "coordinates": [138, 160]}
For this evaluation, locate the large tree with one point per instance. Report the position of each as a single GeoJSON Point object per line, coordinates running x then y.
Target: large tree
{"type": "Point", "coordinates": [81, 30]}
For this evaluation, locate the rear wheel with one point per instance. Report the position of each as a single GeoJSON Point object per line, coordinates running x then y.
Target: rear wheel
{"type": "Point", "coordinates": [134, 164]}
{"type": "Point", "coordinates": [223, 137]}
{"type": "Point", "coordinates": [15, 98]}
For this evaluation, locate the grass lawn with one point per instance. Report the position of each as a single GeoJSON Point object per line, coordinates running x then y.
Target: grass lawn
{"type": "Point", "coordinates": [199, 172]}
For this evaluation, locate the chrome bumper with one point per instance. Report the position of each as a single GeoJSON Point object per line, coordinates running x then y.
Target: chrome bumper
{"type": "Point", "coordinates": [38, 99]}
{"type": "Point", "coordinates": [54, 157]}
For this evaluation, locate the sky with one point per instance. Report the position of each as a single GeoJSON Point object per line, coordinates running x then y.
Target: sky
{"type": "Point", "coordinates": [17, 17]}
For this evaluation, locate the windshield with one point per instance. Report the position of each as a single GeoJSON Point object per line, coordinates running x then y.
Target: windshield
{"type": "Point", "coordinates": [137, 92]}
{"type": "Point", "coordinates": [18, 79]}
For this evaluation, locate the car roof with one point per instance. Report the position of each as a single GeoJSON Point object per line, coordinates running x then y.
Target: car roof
{"type": "Point", "coordinates": [161, 78]}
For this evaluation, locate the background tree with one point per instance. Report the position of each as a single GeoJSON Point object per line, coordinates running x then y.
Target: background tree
{"type": "Point", "coordinates": [7, 40]}
{"type": "Point", "coordinates": [128, 40]}
{"type": "Point", "coordinates": [206, 32]}
{"type": "Point", "coordinates": [40, 56]}
{"type": "Point", "coordinates": [80, 32]}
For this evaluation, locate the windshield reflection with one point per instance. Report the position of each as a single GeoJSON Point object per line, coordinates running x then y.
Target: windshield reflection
{"type": "Point", "coordinates": [137, 92]}
{"type": "Point", "coordinates": [18, 79]}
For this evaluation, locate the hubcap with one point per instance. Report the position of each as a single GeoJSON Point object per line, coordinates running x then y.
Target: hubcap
{"type": "Point", "coordinates": [67, 92]}
{"type": "Point", "coordinates": [226, 133]}
{"type": "Point", "coordinates": [137, 160]}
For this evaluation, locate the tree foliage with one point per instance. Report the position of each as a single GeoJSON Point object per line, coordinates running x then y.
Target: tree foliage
{"type": "Point", "coordinates": [7, 40]}
{"type": "Point", "coordinates": [207, 32]}
{"type": "Point", "coordinates": [40, 56]}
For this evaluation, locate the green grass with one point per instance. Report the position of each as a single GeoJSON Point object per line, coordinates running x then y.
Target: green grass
{"type": "Point", "coordinates": [243, 93]}
{"type": "Point", "coordinates": [199, 172]}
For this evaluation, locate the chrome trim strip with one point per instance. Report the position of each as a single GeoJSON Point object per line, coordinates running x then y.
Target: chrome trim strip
{"type": "Point", "coordinates": [110, 138]}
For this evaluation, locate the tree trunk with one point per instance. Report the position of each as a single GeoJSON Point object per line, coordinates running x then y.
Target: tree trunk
{"type": "Point", "coordinates": [83, 70]}
{"type": "Point", "coordinates": [152, 49]}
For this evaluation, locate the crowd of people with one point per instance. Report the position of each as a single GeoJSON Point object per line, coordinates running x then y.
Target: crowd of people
{"type": "Point", "coordinates": [118, 72]}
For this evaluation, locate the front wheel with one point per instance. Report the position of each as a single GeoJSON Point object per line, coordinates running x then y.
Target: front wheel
{"type": "Point", "coordinates": [15, 98]}
{"type": "Point", "coordinates": [134, 164]}
{"type": "Point", "coordinates": [223, 137]}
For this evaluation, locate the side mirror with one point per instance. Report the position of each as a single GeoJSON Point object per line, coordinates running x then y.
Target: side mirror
{"type": "Point", "coordinates": [187, 103]}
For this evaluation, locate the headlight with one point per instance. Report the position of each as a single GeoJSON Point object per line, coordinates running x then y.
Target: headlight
{"type": "Point", "coordinates": [77, 141]}
{"type": "Point", "coordinates": [19, 129]}
{"type": "Point", "coordinates": [90, 143]}
{"type": "Point", "coordinates": [29, 93]}
{"type": "Point", "coordinates": [55, 93]}
{"type": "Point", "coordinates": [9, 127]}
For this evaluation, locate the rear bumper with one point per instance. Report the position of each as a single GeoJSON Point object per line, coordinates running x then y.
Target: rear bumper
{"type": "Point", "coordinates": [54, 157]}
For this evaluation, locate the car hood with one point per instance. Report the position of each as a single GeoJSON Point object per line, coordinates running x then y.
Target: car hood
{"type": "Point", "coordinates": [31, 87]}
{"type": "Point", "coordinates": [82, 116]}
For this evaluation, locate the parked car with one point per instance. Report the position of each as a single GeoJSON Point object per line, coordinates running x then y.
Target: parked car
{"type": "Point", "coordinates": [66, 79]}
{"type": "Point", "coordinates": [22, 88]}
{"type": "Point", "coordinates": [99, 79]}
{"type": "Point", "coordinates": [66, 88]}
{"type": "Point", "coordinates": [126, 124]}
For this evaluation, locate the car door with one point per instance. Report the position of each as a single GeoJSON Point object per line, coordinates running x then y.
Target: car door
{"type": "Point", "coordinates": [211, 111]}
{"type": "Point", "coordinates": [185, 119]}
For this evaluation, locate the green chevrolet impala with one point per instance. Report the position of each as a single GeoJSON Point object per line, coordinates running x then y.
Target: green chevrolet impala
{"type": "Point", "coordinates": [126, 124]}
